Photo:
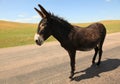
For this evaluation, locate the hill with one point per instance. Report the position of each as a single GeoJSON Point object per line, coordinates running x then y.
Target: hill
{"type": "Point", "coordinates": [15, 34]}
{"type": "Point", "coordinates": [112, 26]}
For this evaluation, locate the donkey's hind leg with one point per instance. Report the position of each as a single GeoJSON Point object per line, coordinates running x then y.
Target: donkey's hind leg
{"type": "Point", "coordinates": [94, 57]}
{"type": "Point", "coordinates": [100, 51]}
{"type": "Point", "coordinates": [100, 55]}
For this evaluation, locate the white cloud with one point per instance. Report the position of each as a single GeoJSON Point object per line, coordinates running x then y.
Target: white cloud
{"type": "Point", "coordinates": [24, 19]}
{"type": "Point", "coordinates": [107, 0]}
{"type": "Point", "coordinates": [32, 19]}
{"type": "Point", "coordinates": [36, 17]}
{"type": "Point", "coordinates": [5, 19]}
{"type": "Point", "coordinates": [20, 15]}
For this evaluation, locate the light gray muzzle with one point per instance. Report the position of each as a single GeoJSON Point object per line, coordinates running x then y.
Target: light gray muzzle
{"type": "Point", "coordinates": [38, 39]}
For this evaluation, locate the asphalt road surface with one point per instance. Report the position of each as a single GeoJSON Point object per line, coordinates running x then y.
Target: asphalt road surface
{"type": "Point", "coordinates": [49, 64]}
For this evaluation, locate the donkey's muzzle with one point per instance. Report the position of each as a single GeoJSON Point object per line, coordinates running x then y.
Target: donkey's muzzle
{"type": "Point", "coordinates": [38, 39]}
{"type": "Point", "coordinates": [38, 42]}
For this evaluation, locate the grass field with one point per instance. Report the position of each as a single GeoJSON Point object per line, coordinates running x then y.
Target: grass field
{"type": "Point", "coordinates": [112, 26]}
{"type": "Point", "coordinates": [16, 34]}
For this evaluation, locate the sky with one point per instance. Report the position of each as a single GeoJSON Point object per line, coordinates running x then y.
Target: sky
{"type": "Point", "coordinates": [74, 11]}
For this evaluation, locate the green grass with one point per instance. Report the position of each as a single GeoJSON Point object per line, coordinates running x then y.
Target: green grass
{"type": "Point", "coordinates": [112, 26]}
{"type": "Point", "coordinates": [17, 34]}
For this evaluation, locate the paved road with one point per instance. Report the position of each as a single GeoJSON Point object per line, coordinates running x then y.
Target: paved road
{"type": "Point", "coordinates": [49, 64]}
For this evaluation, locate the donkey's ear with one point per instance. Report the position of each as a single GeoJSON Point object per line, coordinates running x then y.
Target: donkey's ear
{"type": "Point", "coordinates": [39, 12]}
{"type": "Point", "coordinates": [43, 11]}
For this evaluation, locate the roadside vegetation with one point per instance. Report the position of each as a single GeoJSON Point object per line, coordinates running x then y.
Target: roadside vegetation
{"type": "Point", "coordinates": [17, 34]}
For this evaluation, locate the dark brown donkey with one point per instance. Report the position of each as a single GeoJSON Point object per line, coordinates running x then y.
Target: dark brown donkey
{"type": "Point", "coordinates": [71, 37]}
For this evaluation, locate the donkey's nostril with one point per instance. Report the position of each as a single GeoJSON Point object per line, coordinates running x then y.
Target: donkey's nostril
{"type": "Point", "coordinates": [36, 41]}
{"type": "Point", "coordinates": [39, 42]}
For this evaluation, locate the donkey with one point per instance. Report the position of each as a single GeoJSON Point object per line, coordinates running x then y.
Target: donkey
{"type": "Point", "coordinates": [71, 38]}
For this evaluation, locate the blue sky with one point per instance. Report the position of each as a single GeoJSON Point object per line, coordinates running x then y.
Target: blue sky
{"type": "Point", "coordinates": [77, 11]}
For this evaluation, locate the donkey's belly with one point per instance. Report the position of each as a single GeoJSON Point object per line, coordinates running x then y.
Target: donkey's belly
{"type": "Point", "coordinates": [84, 49]}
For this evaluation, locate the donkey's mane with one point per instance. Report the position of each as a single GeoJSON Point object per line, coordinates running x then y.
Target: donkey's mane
{"type": "Point", "coordinates": [61, 20]}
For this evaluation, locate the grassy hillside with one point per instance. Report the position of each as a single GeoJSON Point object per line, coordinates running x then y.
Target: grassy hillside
{"type": "Point", "coordinates": [112, 26]}
{"type": "Point", "coordinates": [15, 34]}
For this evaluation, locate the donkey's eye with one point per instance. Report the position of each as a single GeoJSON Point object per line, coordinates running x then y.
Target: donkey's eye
{"type": "Point", "coordinates": [43, 25]}
{"type": "Point", "coordinates": [42, 31]}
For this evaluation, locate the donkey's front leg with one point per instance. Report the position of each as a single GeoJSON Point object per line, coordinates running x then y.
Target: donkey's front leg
{"type": "Point", "coordinates": [72, 54]}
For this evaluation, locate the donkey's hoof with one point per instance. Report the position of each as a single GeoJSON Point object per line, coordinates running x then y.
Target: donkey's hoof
{"type": "Point", "coordinates": [71, 76]}
{"type": "Point", "coordinates": [93, 62]}
{"type": "Point", "coordinates": [98, 64]}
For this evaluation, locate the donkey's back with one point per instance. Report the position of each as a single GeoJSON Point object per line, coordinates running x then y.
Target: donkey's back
{"type": "Point", "coordinates": [89, 37]}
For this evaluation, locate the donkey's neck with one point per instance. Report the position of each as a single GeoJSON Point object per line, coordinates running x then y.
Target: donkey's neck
{"type": "Point", "coordinates": [61, 30]}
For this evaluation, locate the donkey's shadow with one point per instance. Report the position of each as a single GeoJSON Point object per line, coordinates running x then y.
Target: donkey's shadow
{"type": "Point", "coordinates": [92, 71]}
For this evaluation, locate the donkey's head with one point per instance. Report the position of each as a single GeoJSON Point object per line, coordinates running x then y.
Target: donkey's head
{"type": "Point", "coordinates": [43, 31]}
